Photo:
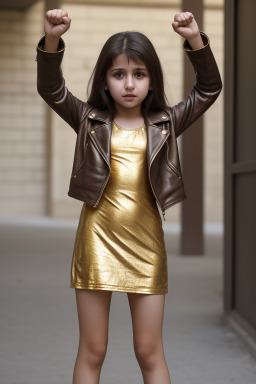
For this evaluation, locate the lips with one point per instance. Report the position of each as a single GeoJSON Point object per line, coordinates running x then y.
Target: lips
{"type": "Point", "coordinates": [129, 96]}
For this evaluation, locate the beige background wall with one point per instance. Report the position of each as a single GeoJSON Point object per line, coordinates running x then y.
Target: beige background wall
{"type": "Point", "coordinates": [22, 125]}
{"type": "Point", "coordinates": [24, 147]}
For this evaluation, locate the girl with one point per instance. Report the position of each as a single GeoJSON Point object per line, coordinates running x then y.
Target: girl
{"type": "Point", "coordinates": [126, 165]}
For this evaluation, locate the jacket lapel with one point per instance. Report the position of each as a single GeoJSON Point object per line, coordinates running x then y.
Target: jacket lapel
{"type": "Point", "coordinates": [101, 136]}
{"type": "Point", "coordinates": [157, 133]}
{"type": "Point", "coordinates": [156, 137]}
{"type": "Point", "coordinates": [101, 129]}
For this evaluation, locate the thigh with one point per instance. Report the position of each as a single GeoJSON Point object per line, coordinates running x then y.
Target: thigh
{"type": "Point", "coordinates": [93, 308]}
{"type": "Point", "coordinates": [147, 313]}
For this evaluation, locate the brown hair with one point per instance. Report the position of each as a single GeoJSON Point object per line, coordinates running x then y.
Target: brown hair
{"type": "Point", "coordinates": [138, 48]}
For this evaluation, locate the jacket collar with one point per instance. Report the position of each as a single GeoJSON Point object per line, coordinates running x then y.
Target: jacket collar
{"type": "Point", "coordinates": [101, 134]}
{"type": "Point", "coordinates": [100, 115]}
{"type": "Point", "coordinates": [152, 117]}
{"type": "Point", "coordinates": [157, 117]}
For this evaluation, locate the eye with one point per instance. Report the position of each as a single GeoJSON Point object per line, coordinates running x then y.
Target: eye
{"type": "Point", "coordinates": [139, 75]}
{"type": "Point", "coordinates": [118, 75]}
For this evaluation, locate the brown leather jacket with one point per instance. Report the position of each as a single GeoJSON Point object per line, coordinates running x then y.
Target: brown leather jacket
{"type": "Point", "coordinates": [92, 158]}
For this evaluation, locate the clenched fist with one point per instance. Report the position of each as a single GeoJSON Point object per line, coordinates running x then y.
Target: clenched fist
{"type": "Point", "coordinates": [56, 23]}
{"type": "Point", "coordinates": [185, 25]}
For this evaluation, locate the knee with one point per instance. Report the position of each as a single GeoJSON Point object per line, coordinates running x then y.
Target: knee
{"type": "Point", "coordinates": [147, 353]}
{"type": "Point", "coordinates": [98, 353]}
{"type": "Point", "coordinates": [94, 353]}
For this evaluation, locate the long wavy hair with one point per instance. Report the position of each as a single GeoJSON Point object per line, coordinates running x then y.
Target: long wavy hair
{"type": "Point", "coordinates": [137, 47]}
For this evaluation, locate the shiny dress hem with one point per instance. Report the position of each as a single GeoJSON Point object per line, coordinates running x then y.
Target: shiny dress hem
{"type": "Point", "coordinates": [119, 289]}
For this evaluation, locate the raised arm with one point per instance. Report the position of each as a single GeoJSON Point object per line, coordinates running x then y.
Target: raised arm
{"type": "Point", "coordinates": [50, 81]}
{"type": "Point", "coordinates": [208, 83]}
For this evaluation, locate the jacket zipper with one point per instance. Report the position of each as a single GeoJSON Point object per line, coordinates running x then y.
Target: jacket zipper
{"type": "Point", "coordinates": [174, 169]}
{"type": "Point", "coordinates": [163, 210]}
{"type": "Point", "coordinates": [85, 142]}
{"type": "Point", "coordinates": [103, 187]}
{"type": "Point", "coordinates": [171, 165]}
{"type": "Point", "coordinates": [85, 148]}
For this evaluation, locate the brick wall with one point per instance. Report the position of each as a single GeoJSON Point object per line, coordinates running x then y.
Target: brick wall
{"type": "Point", "coordinates": [22, 122]}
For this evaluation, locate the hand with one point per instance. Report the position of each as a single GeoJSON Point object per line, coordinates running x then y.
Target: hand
{"type": "Point", "coordinates": [56, 23]}
{"type": "Point", "coordinates": [185, 25]}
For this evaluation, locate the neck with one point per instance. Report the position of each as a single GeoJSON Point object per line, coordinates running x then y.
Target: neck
{"type": "Point", "coordinates": [128, 113]}
{"type": "Point", "coordinates": [129, 118]}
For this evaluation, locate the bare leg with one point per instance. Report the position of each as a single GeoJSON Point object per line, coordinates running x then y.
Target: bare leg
{"type": "Point", "coordinates": [147, 319]}
{"type": "Point", "coordinates": [93, 308]}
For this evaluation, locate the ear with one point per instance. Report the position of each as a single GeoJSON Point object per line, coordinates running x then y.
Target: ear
{"type": "Point", "coordinates": [150, 87]}
{"type": "Point", "coordinates": [105, 87]}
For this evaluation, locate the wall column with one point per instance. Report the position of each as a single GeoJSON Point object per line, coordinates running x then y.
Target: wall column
{"type": "Point", "coordinates": [192, 160]}
{"type": "Point", "coordinates": [49, 4]}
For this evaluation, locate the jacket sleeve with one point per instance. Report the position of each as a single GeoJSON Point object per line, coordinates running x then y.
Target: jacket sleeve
{"type": "Point", "coordinates": [206, 88]}
{"type": "Point", "coordinates": [51, 86]}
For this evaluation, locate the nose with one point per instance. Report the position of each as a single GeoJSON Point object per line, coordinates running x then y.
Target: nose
{"type": "Point", "coordinates": [129, 84]}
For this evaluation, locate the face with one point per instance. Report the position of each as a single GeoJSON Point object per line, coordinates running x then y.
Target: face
{"type": "Point", "coordinates": [127, 82]}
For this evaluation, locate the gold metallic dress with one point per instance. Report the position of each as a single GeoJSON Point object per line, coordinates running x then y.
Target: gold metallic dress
{"type": "Point", "coordinates": [120, 245]}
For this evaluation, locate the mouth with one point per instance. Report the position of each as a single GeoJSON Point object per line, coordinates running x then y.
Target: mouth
{"type": "Point", "coordinates": [129, 96]}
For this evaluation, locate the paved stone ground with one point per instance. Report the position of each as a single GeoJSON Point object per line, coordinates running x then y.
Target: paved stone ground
{"type": "Point", "coordinates": [39, 329]}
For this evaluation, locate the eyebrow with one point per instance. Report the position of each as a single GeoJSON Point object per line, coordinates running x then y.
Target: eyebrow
{"type": "Point", "coordinates": [135, 69]}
